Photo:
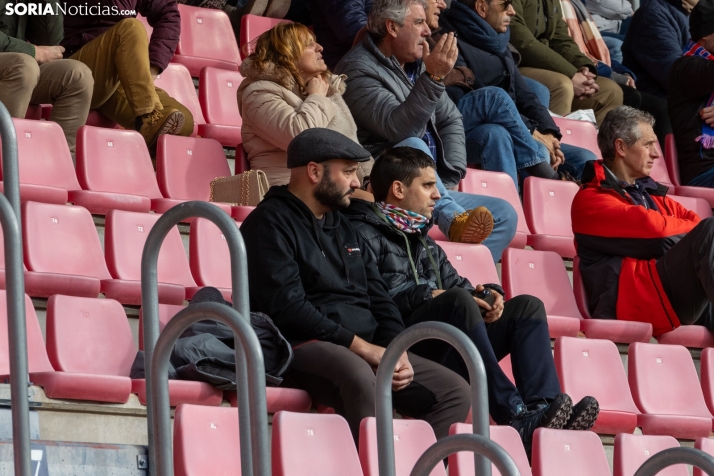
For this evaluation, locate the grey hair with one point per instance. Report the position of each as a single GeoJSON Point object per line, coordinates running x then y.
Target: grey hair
{"type": "Point", "coordinates": [383, 10]}
{"type": "Point", "coordinates": [621, 123]}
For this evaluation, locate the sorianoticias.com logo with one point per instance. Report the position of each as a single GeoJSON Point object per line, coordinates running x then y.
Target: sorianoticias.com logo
{"type": "Point", "coordinates": [62, 8]}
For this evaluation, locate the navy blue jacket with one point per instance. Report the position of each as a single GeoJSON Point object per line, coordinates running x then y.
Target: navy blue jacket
{"type": "Point", "coordinates": [336, 23]}
{"type": "Point", "coordinates": [658, 33]}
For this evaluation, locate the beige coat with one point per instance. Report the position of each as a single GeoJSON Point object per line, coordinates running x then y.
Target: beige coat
{"type": "Point", "coordinates": [274, 111]}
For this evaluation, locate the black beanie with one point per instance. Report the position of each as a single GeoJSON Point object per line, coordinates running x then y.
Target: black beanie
{"type": "Point", "coordinates": [701, 20]}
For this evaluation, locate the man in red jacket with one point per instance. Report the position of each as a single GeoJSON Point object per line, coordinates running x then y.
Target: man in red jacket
{"type": "Point", "coordinates": [643, 256]}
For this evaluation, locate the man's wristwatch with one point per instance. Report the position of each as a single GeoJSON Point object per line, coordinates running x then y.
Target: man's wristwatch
{"type": "Point", "coordinates": [438, 79]}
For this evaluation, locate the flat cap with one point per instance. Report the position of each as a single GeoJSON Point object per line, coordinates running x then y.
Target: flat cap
{"type": "Point", "coordinates": [320, 144]}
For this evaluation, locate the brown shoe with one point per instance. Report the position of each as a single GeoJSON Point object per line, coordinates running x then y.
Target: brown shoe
{"type": "Point", "coordinates": [472, 226]}
{"type": "Point", "coordinates": [156, 123]}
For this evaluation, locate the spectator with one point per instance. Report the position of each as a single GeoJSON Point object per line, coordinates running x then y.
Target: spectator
{"type": "Point", "coordinates": [235, 13]}
{"type": "Point", "coordinates": [398, 99]}
{"type": "Point", "coordinates": [124, 63]}
{"type": "Point", "coordinates": [288, 89]}
{"type": "Point", "coordinates": [32, 70]}
{"type": "Point", "coordinates": [426, 287]}
{"type": "Point", "coordinates": [609, 14]}
{"type": "Point", "coordinates": [643, 256]}
{"type": "Point", "coordinates": [336, 23]}
{"type": "Point", "coordinates": [691, 100]}
{"type": "Point", "coordinates": [550, 56]}
{"type": "Point", "coordinates": [657, 34]}
{"type": "Point", "coordinates": [483, 48]}
{"type": "Point", "coordinates": [311, 273]}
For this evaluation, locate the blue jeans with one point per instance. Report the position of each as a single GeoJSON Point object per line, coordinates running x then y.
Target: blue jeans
{"type": "Point", "coordinates": [703, 180]}
{"type": "Point", "coordinates": [451, 203]}
{"type": "Point", "coordinates": [540, 90]}
{"type": "Point", "coordinates": [575, 158]}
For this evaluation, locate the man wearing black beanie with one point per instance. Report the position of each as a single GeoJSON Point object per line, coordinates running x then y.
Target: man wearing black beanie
{"type": "Point", "coordinates": [691, 100]}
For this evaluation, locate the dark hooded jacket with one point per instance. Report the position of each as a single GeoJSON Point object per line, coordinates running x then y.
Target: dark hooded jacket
{"type": "Point", "coordinates": [619, 241]}
{"type": "Point", "coordinates": [336, 23]}
{"type": "Point", "coordinates": [314, 279]}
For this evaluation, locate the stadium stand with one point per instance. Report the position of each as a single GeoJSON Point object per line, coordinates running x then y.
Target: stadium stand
{"type": "Point", "coordinates": [177, 82]}
{"type": "Point", "coordinates": [578, 133]}
{"type": "Point", "coordinates": [670, 157]}
{"type": "Point", "coordinates": [706, 445]}
{"type": "Point", "coordinates": [566, 453]}
{"type": "Point", "coordinates": [217, 92]}
{"type": "Point", "coordinates": [631, 451]}
{"type": "Point", "coordinates": [473, 262]}
{"type": "Point", "coordinates": [208, 255]}
{"type": "Point", "coordinates": [252, 26]}
{"type": "Point", "coordinates": [546, 204]}
{"type": "Point", "coordinates": [462, 464]}
{"type": "Point", "coordinates": [166, 312]}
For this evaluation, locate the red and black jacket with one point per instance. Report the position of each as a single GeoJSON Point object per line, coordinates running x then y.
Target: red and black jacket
{"type": "Point", "coordinates": [618, 243]}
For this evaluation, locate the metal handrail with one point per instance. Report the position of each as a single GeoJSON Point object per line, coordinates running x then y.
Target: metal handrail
{"type": "Point", "coordinates": [672, 456]}
{"type": "Point", "coordinates": [465, 442]}
{"type": "Point", "coordinates": [15, 286]}
{"type": "Point", "coordinates": [249, 347]}
{"type": "Point", "coordinates": [150, 304]}
{"type": "Point", "coordinates": [477, 375]}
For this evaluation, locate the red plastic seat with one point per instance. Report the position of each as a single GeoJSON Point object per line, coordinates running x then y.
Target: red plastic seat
{"type": "Point", "coordinates": [593, 367]}
{"type": "Point", "coordinates": [207, 39]}
{"type": "Point", "coordinates": [251, 27]}
{"type": "Point", "coordinates": [185, 167]}
{"type": "Point", "coordinates": [706, 445]}
{"type": "Point", "coordinates": [166, 312]}
{"type": "Point", "coordinates": [697, 337]}
{"type": "Point", "coordinates": [209, 255]}
{"type": "Point", "coordinates": [473, 262]}
{"type": "Point", "coordinates": [542, 274]}
{"type": "Point", "coordinates": [240, 213]}
{"type": "Point", "coordinates": [242, 164]}
{"type": "Point", "coordinates": [34, 112]}
{"type": "Point", "coordinates": [672, 160]}
{"type": "Point", "coordinates": [462, 463]}
{"type": "Point", "coordinates": [411, 439]}
{"type": "Point", "coordinates": [97, 119]}
{"type": "Point", "coordinates": [90, 344]}
{"type": "Point", "coordinates": [698, 205]}
{"type": "Point", "coordinates": [568, 453]}
{"type": "Point", "coordinates": [62, 251]}
{"type": "Point", "coordinates": [547, 208]}
{"type": "Point", "coordinates": [314, 444]}
{"type": "Point", "coordinates": [631, 451]}
{"type": "Point", "coordinates": [666, 390]}
{"type": "Point", "coordinates": [499, 185]}
{"type": "Point", "coordinates": [124, 238]}
{"type": "Point", "coordinates": [578, 133]}
{"type": "Point", "coordinates": [707, 377]}
{"type": "Point", "coordinates": [217, 93]}
{"type": "Point", "coordinates": [281, 399]}
{"type": "Point", "coordinates": [37, 360]}
{"type": "Point", "coordinates": [149, 29]}
{"type": "Point", "coordinates": [177, 82]}
{"type": "Point", "coordinates": [436, 234]}
{"type": "Point", "coordinates": [115, 171]}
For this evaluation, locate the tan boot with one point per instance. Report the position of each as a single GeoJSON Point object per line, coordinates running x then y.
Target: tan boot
{"type": "Point", "coordinates": [472, 226]}
{"type": "Point", "coordinates": [156, 123]}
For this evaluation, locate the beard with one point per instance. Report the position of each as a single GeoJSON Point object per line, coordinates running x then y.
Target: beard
{"type": "Point", "coordinates": [328, 193]}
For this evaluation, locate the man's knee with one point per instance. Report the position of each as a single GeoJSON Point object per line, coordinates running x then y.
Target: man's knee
{"type": "Point", "coordinates": [77, 78]}
{"type": "Point", "coordinates": [24, 70]}
{"type": "Point", "coordinates": [706, 228]}
{"type": "Point", "coordinates": [610, 93]}
{"type": "Point", "coordinates": [464, 308]}
{"type": "Point", "coordinates": [528, 307]}
{"type": "Point", "coordinates": [133, 28]}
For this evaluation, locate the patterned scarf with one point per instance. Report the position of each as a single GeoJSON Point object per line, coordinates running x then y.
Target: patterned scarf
{"type": "Point", "coordinates": [707, 137]}
{"type": "Point", "coordinates": [404, 220]}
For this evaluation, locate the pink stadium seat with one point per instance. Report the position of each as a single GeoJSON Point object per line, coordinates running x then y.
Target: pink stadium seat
{"type": "Point", "coordinates": [209, 257]}
{"type": "Point", "coordinates": [436, 234]}
{"type": "Point", "coordinates": [166, 312]}
{"type": "Point", "coordinates": [411, 439]}
{"type": "Point", "coordinates": [568, 453]}
{"type": "Point", "coordinates": [542, 274]}
{"type": "Point", "coordinates": [672, 160]}
{"type": "Point", "coordinates": [177, 82]}
{"type": "Point", "coordinates": [697, 337]}
{"type": "Point", "coordinates": [547, 208]}
{"type": "Point", "coordinates": [659, 170]}
{"type": "Point", "coordinates": [281, 399]}
{"type": "Point", "coordinates": [631, 451]}
{"type": "Point", "coordinates": [707, 373]}
{"type": "Point", "coordinates": [34, 112]}
{"type": "Point", "coordinates": [698, 205]}
{"type": "Point", "coordinates": [115, 171]}
{"type": "Point", "coordinates": [240, 213]}
{"type": "Point", "coordinates": [251, 27]}
{"type": "Point", "coordinates": [62, 251]}
{"type": "Point", "coordinates": [97, 119]}
{"type": "Point", "coordinates": [666, 390]}
{"type": "Point", "coordinates": [125, 235]}
{"type": "Point", "coordinates": [578, 133]}
{"type": "Point", "coordinates": [206, 441]}
{"type": "Point", "coordinates": [185, 167]}
{"type": "Point", "coordinates": [207, 39]}
{"type": "Point", "coordinates": [90, 344]}
{"type": "Point", "coordinates": [242, 164]}
{"type": "Point", "coordinates": [314, 444]}
{"type": "Point", "coordinates": [462, 464]}
{"type": "Point", "coordinates": [499, 185]}
{"type": "Point", "coordinates": [592, 367]}
{"type": "Point", "coordinates": [706, 445]}
{"type": "Point", "coordinates": [473, 262]}
{"type": "Point", "coordinates": [147, 27]}
{"type": "Point", "coordinates": [217, 93]}
{"type": "Point", "coordinates": [38, 362]}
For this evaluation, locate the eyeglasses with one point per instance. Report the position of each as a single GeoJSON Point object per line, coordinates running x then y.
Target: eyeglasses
{"type": "Point", "coordinates": [505, 5]}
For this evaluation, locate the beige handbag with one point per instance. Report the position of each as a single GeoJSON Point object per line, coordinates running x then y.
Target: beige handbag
{"type": "Point", "coordinates": [246, 189]}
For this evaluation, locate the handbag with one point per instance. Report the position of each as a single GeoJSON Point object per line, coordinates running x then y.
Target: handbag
{"type": "Point", "coordinates": [246, 189]}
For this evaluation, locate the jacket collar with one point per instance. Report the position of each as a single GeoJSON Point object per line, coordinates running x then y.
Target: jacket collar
{"type": "Point", "coordinates": [475, 31]}
{"type": "Point", "coordinates": [596, 175]}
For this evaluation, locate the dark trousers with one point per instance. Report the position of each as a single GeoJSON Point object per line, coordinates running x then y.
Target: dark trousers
{"type": "Point", "coordinates": [522, 331]}
{"type": "Point", "coordinates": [337, 377]}
{"type": "Point", "coordinates": [687, 274]}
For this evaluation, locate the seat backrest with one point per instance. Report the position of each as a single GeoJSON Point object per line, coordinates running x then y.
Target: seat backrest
{"type": "Point", "coordinates": [567, 453]}
{"type": "Point", "coordinates": [411, 439]}
{"type": "Point", "coordinates": [176, 80]}
{"type": "Point", "coordinates": [209, 255]}
{"type": "Point", "coordinates": [217, 92]}
{"type": "Point", "coordinates": [578, 133]}
{"type": "Point", "coordinates": [659, 170]}
{"type": "Point", "coordinates": [166, 313]}
{"type": "Point", "coordinates": [462, 463]}
{"type": "Point", "coordinates": [546, 204]}
{"type": "Point", "coordinates": [43, 155]}
{"type": "Point", "coordinates": [251, 27]}
{"type": "Point", "coordinates": [206, 441]}
{"type": "Point", "coordinates": [706, 364]}
{"type": "Point", "coordinates": [671, 158]}
{"type": "Point", "coordinates": [581, 294]}
{"type": "Point", "coordinates": [593, 367]}
{"type": "Point", "coordinates": [473, 262]}
{"type": "Point", "coordinates": [207, 33]}
{"type": "Point", "coordinates": [61, 239]}
{"type": "Point", "coordinates": [89, 335]}
{"type": "Point", "coordinates": [540, 274]}
{"type": "Point", "coordinates": [314, 444]}
{"type": "Point", "coordinates": [631, 451]}
{"type": "Point", "coordinates": [663, 380]}
{"type": "Point", "coordinates": [495, 184]}
{"type": "Point", "coordinates": [36, 352]}
{"type": "Point", "coordinates": [114, 160]}
{"type": "Point", "coordinates": [241, 213]}
{"type": "Point", "coordinates": [698, 205]}
{"type": "Point", "coordinates": [185, 166]}
{"type": "Point", "coordinates": [124, 237]}
{"type": "Point", "coordinates": [149, 29]}
{"type": "Point", "coordinates": [706, 445]}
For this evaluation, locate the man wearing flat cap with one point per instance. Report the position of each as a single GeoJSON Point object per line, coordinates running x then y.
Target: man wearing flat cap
{"type": "Point", "coordinates": [312, 274]}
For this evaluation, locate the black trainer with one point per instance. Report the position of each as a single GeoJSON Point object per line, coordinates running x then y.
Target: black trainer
{"type": "Point", "coordinates": [542, 415]}
{"type": "Point", "coordinates": [585, 412]}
